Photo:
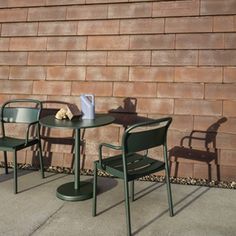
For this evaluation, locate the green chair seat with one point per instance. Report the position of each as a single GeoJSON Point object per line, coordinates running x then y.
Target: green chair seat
{"type": "Point", "coordinates": [137, 166]}
{"type": "Point", "coordinates": [134, 161]}
{"type": "Point", "coordinates": [10, 144]}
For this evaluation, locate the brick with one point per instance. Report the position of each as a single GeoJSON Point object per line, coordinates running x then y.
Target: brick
{"type": "Point", "coordinates": [19, 29]}
{"type": "Point", "coordinates": [13, 58]}
{"type": "Point", "coordinates": [51, 87]}
{"type": "Point", "coordinates": [3, 98]}
{"type": "Point", "coordinates": [227, 157]}
{"type": "Point", "coordinates": [155, 106]}
{"type": "Point", "coordinates": [27, 73]}
{"type": "Point", "coordinates": [107, 74]}
{"type": "Point", "coordinates": [106, 1]}
{"type": "Point", "coordinates": [66, 43]}
{"type": "Point", "coordinates": [198, 107]}
{"type": "Point", "coordinates": [178, 8]}
{"type": "Point", "coordinates": [4, 44]}
{"type": "Point", "coordinates": [230, 75]}
{"type": "Point", "coordinates": [188, 24]}
{"type": "Point", "coordinates": [227, 173]}
{"type": "Point", "coordinates": [223, 24]}
{"type": "Point", "coordinates": [87, 12]}
{"type": "Point", "coordinates": [68, 160]}
{"type": "Point", "coordinates": [226, 141]}
{"type": "Point", "coordinates": [30, 96]}
{"type": "Point", "coordinates": [103, 104]}
{"type": "Point", "coordinates": [16, 87]}
{"type": "Point", "coordinates": [217, 57]}
{"type": "Point", "coordinates": [96, 88]}
{"type": "Point", "coordinates": [86, 58]}
{"type": "Point", "coordinates": [102, 134]}
{"type": "Point", "coordinates": [28, 44]}
{"type": "Point", "coordinates": [152, 41]}
{"type": "Point", "coordinates": [155, 74]}
{"type": "Point", "coordinates": [46, 58]}
{"type": "Point", "coordinates": [98, 27]}
{"type": "Point", "coordinates": [218, 7]}
{"type": "Point", "coordinates": [137, 89]}
{"type": "Point", "coordinates": [67, 73]}
{"type": "Point", "coordinates": [220, 91]}
{"type": "Point", "coordinates": [201, 171]}
{"type": "Point", "coordinates": [21, 157]}
{"type": "Point", "coordinates": [4, 72]}
{"type": "Point", "coordinates": [130, 10]}
{"type": "Point", "coordinates": [182, 123]}
{"type": "Point", "coordinates": [230, 39]}
{"type": "Point", "coordinates": [180, 90]}
{"type": "Point", "coordinates": [3, 4]}
{"type": "Point", "coordinates": [229, 108]}
{"type": "Point", "coordinates": [216, 124]}
{"type": "Point", "coordinates": [199, 41]}
{"type": "Point", "coordinates": [64, 2]}
{"type": "Point", "coordinates": [25, 3]}
{"type": "Point", "coordinates": [56, 101]}
{"type": "Point", "coordinates": [56, 158]}
{"type": "Point", "coordinates": [142, 26]}
{"type": "Point", "coordinates": [178, 57]}
{"type": "Point", "coordinates": [57, 28]}
{"type": "Point", "coordinates": [108, 42]}
{"type": "Point", "coordinates": [129, 58]}
{"type": "Point", "coordinates": [47, 13]}
{"type": "Point", "coordinates": [198, 74]}
{"type": "Point", "coordinates": [182, 170]}
{"type": "Point", "coordinates": [15, 15]}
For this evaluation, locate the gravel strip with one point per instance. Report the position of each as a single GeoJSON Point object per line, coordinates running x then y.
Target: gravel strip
{"type": "Point", "coordinates": [152, 178]}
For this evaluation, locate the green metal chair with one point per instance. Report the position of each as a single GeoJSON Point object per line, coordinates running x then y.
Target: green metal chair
{"type": "Point", "coordinates": [29, 116]}
{"type": "Point", "coordinates": [134, 161]}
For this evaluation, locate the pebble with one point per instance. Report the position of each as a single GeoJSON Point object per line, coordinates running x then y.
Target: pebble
{"type": "Point", "coordinates": [153, 178]}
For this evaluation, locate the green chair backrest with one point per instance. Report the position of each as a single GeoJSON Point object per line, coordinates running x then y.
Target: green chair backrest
{"type": "Point", "coordinates": [135, 140]}
{"type": "Point", "coordinates": [20, 114]}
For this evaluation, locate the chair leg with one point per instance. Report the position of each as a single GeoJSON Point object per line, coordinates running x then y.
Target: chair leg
{"type": "Point", "coordinates": [15, 172]}
{"type": "Point", "coordinates": [132, 190]}
{"type": "Point", "coordinates": [127, 208]}
{"type": "Point", "coordinates": [5, 161]}
{"type": "Point", "coordinates": [169, 191]}
{"type": "Point", "coordinates": [95, 190]}
{"type": "Point", "coordinates": [41, 159]}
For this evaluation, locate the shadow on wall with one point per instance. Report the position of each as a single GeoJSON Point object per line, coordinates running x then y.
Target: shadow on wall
{"type": "Point", "coordinates": [208, 152]}
{"type": "Point", "coordinates": [126, 115]}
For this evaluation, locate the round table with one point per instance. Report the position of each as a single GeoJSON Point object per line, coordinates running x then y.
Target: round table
{"type": "Point", "coordinates": [76, 190]}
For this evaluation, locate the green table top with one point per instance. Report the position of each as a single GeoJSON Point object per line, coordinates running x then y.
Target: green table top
{"type": "Point", "coordinates": [76, 123]}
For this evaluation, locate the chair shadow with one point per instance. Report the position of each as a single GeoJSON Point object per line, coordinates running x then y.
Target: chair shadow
{"type": "Point", "coordinates": [147, 190]}
{"type": "Point", "coordinates": [208, 153]}
{"type": "Point", "coordinates": [5, 177]}
{"type": "Point", "coordinates": [126, 115]}
{"type": "Point", "coordinates": [140, 194]}
{"type": "Point", "coordinates": [175, 205]}
{"type": "Point", "coordinates": [41, 184]}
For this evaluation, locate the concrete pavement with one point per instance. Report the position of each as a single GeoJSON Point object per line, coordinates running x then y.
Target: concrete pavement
{"type": "Point", "coordinates": [37, 211]}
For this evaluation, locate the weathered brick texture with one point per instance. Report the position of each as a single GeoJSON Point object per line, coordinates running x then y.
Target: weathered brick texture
{"type": "Point", "coordinates": [152, 58]}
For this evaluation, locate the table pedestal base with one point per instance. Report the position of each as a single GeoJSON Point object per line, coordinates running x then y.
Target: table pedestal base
{"type": "Point", "coordinates": [68, 193]}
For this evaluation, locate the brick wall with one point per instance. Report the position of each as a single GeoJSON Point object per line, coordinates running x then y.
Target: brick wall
{"type": "Point", "coordinates": [175, 58]}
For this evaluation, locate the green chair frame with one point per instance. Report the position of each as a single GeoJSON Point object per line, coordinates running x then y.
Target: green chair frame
{"type": "Point", "coordinates": [13, 114]}
{"type": "Point", "coordinates": [131, 164]}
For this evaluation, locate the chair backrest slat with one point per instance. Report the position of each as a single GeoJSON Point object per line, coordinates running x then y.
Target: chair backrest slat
{"type": "Point", "coordinates": [154, 136]}
{"type": "Point", "coordinates": [27, 111]}
{"type": "Point", "coordinates": [20, 114]}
